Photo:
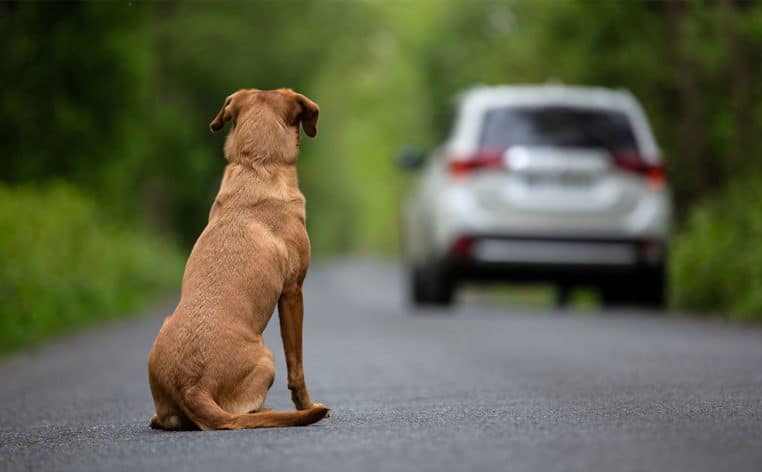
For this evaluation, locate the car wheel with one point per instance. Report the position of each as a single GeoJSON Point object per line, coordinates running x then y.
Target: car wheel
{"type": "Point", "coordinates": [417, 290]}
{"type": "Point", "coordinates": [431, 286]}
{"type": "Point", "coordinates": [563, 295]}
{"type": "Point", "coordinates": [653, 289]}
{"type": "Point", "coordinates": [645, 289]}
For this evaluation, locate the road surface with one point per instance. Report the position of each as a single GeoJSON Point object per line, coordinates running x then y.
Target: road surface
{"type": "Point", "coordinates": [477, 388]}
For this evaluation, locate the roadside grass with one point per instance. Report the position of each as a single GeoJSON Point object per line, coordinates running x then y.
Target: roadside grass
{"type": "Point", "coordinates": [534, 296]}
{"type": "Point", "coordinates": [64, 266]}
{"type": "Point", "coordinates": [716, 260]}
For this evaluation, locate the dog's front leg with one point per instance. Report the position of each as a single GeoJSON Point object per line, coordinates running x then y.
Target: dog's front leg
{"type": "Point", "coordinates": [291, 314]}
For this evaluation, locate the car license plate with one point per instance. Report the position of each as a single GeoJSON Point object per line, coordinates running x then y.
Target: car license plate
{"type": "Point", "coordinates": [567, 179]}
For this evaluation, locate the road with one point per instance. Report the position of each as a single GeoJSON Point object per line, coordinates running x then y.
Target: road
{"type": "Point", "coordinates": [476, 388]}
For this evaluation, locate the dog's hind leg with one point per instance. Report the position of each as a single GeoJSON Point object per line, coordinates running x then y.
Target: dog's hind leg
{"type": "Point", "coordinates": [255, 379]}
{"type": "Point", "coordinates": [231, 409]}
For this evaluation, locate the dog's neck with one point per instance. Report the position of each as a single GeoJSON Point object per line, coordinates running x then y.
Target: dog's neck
{"type": "Point", "coordinates": [243, 185]}
{"type": "Point", "coordinates": [259, 142]}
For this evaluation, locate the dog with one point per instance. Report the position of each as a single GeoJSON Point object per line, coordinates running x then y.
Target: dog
{"type": "Point", "coordinates": [209, 367]}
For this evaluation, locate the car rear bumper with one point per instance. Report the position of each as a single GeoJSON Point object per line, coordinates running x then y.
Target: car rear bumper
{"type": "Point", "coordinates": [552, 259]}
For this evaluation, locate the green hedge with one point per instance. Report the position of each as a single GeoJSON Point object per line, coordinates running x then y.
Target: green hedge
{"type": "Point", "coordinates": [716, 263]}
{"type": "Point", "coordinates": [63, 265]}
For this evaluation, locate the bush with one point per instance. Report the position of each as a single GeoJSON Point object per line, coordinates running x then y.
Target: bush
{"type": "Point", "coordinates": [63, 265]}
{"type": "Point", "coordinates": [716, 263]}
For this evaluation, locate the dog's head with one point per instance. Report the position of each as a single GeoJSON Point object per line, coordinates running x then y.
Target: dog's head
{"type": "Point", "coordinates": [265, 124]}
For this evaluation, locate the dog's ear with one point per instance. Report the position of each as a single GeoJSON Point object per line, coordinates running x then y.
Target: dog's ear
{"type": "Point", "coordinates": [226, 114]}
{"type": "Point", "coordinates": [307, 114]}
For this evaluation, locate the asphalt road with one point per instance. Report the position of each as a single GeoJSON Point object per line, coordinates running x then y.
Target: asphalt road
{"type": "Point", "coordinates": [478, 388]}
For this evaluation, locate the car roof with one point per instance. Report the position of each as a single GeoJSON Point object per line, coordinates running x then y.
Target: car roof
{"type": "Point", "coordinates": [556, 94]}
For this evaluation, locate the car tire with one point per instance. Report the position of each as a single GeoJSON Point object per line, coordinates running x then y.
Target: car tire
{"type": "Point", "coordinates": [653, 289]}
{"type": "Point", "coordinates": [644, 289]}
{"type": "Point", "coordinates": [431, 286]}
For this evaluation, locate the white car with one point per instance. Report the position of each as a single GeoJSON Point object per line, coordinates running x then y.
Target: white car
{"type": "Point", "coordinates": [550, 183]}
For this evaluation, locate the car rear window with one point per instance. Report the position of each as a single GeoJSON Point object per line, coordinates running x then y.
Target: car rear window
{"type": "Point", "coordinates": [557, 127]}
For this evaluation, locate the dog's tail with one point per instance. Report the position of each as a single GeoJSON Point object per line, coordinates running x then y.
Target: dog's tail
{"type": "Point", "coordinates": [207, 414]}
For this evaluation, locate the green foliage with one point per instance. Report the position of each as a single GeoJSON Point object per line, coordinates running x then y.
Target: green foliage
{"type": "Point", "coordinates": [63, 265]}
{"type": "Point", "coordinates": [716, 261]}
{"type": "Point", "coordinates": [72, 76]}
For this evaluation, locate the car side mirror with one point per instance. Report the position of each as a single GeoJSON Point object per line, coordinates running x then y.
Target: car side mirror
{"type": "Point", "coordinates": [410, 157]}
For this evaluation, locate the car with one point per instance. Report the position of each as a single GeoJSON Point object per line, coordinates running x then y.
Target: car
{"type": "Point", "coordinates": [551, 183]}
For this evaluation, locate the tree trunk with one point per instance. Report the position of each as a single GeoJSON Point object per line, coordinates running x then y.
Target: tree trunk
{"type": "Point", "coordinates": [691, 133]}
{"type": "Point", "coordinates": [740, 85]}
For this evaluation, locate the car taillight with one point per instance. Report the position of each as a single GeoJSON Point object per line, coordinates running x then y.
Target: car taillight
{"type": "Point", "coordinates": [462, 165]}
{"type": "Point", "coordinates": [652, 250]}
{"type": "Point", "coordinates": [653, 173]}
{"type": "Point", "coordinates": [462, 246]}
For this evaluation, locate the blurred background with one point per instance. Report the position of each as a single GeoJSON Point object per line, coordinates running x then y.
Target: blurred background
{"type": "Point", "coordinates": [109, 169]}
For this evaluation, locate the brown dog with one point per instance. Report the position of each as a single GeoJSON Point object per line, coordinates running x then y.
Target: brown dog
{"type": "Point", "coordinates": [209, 367]}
